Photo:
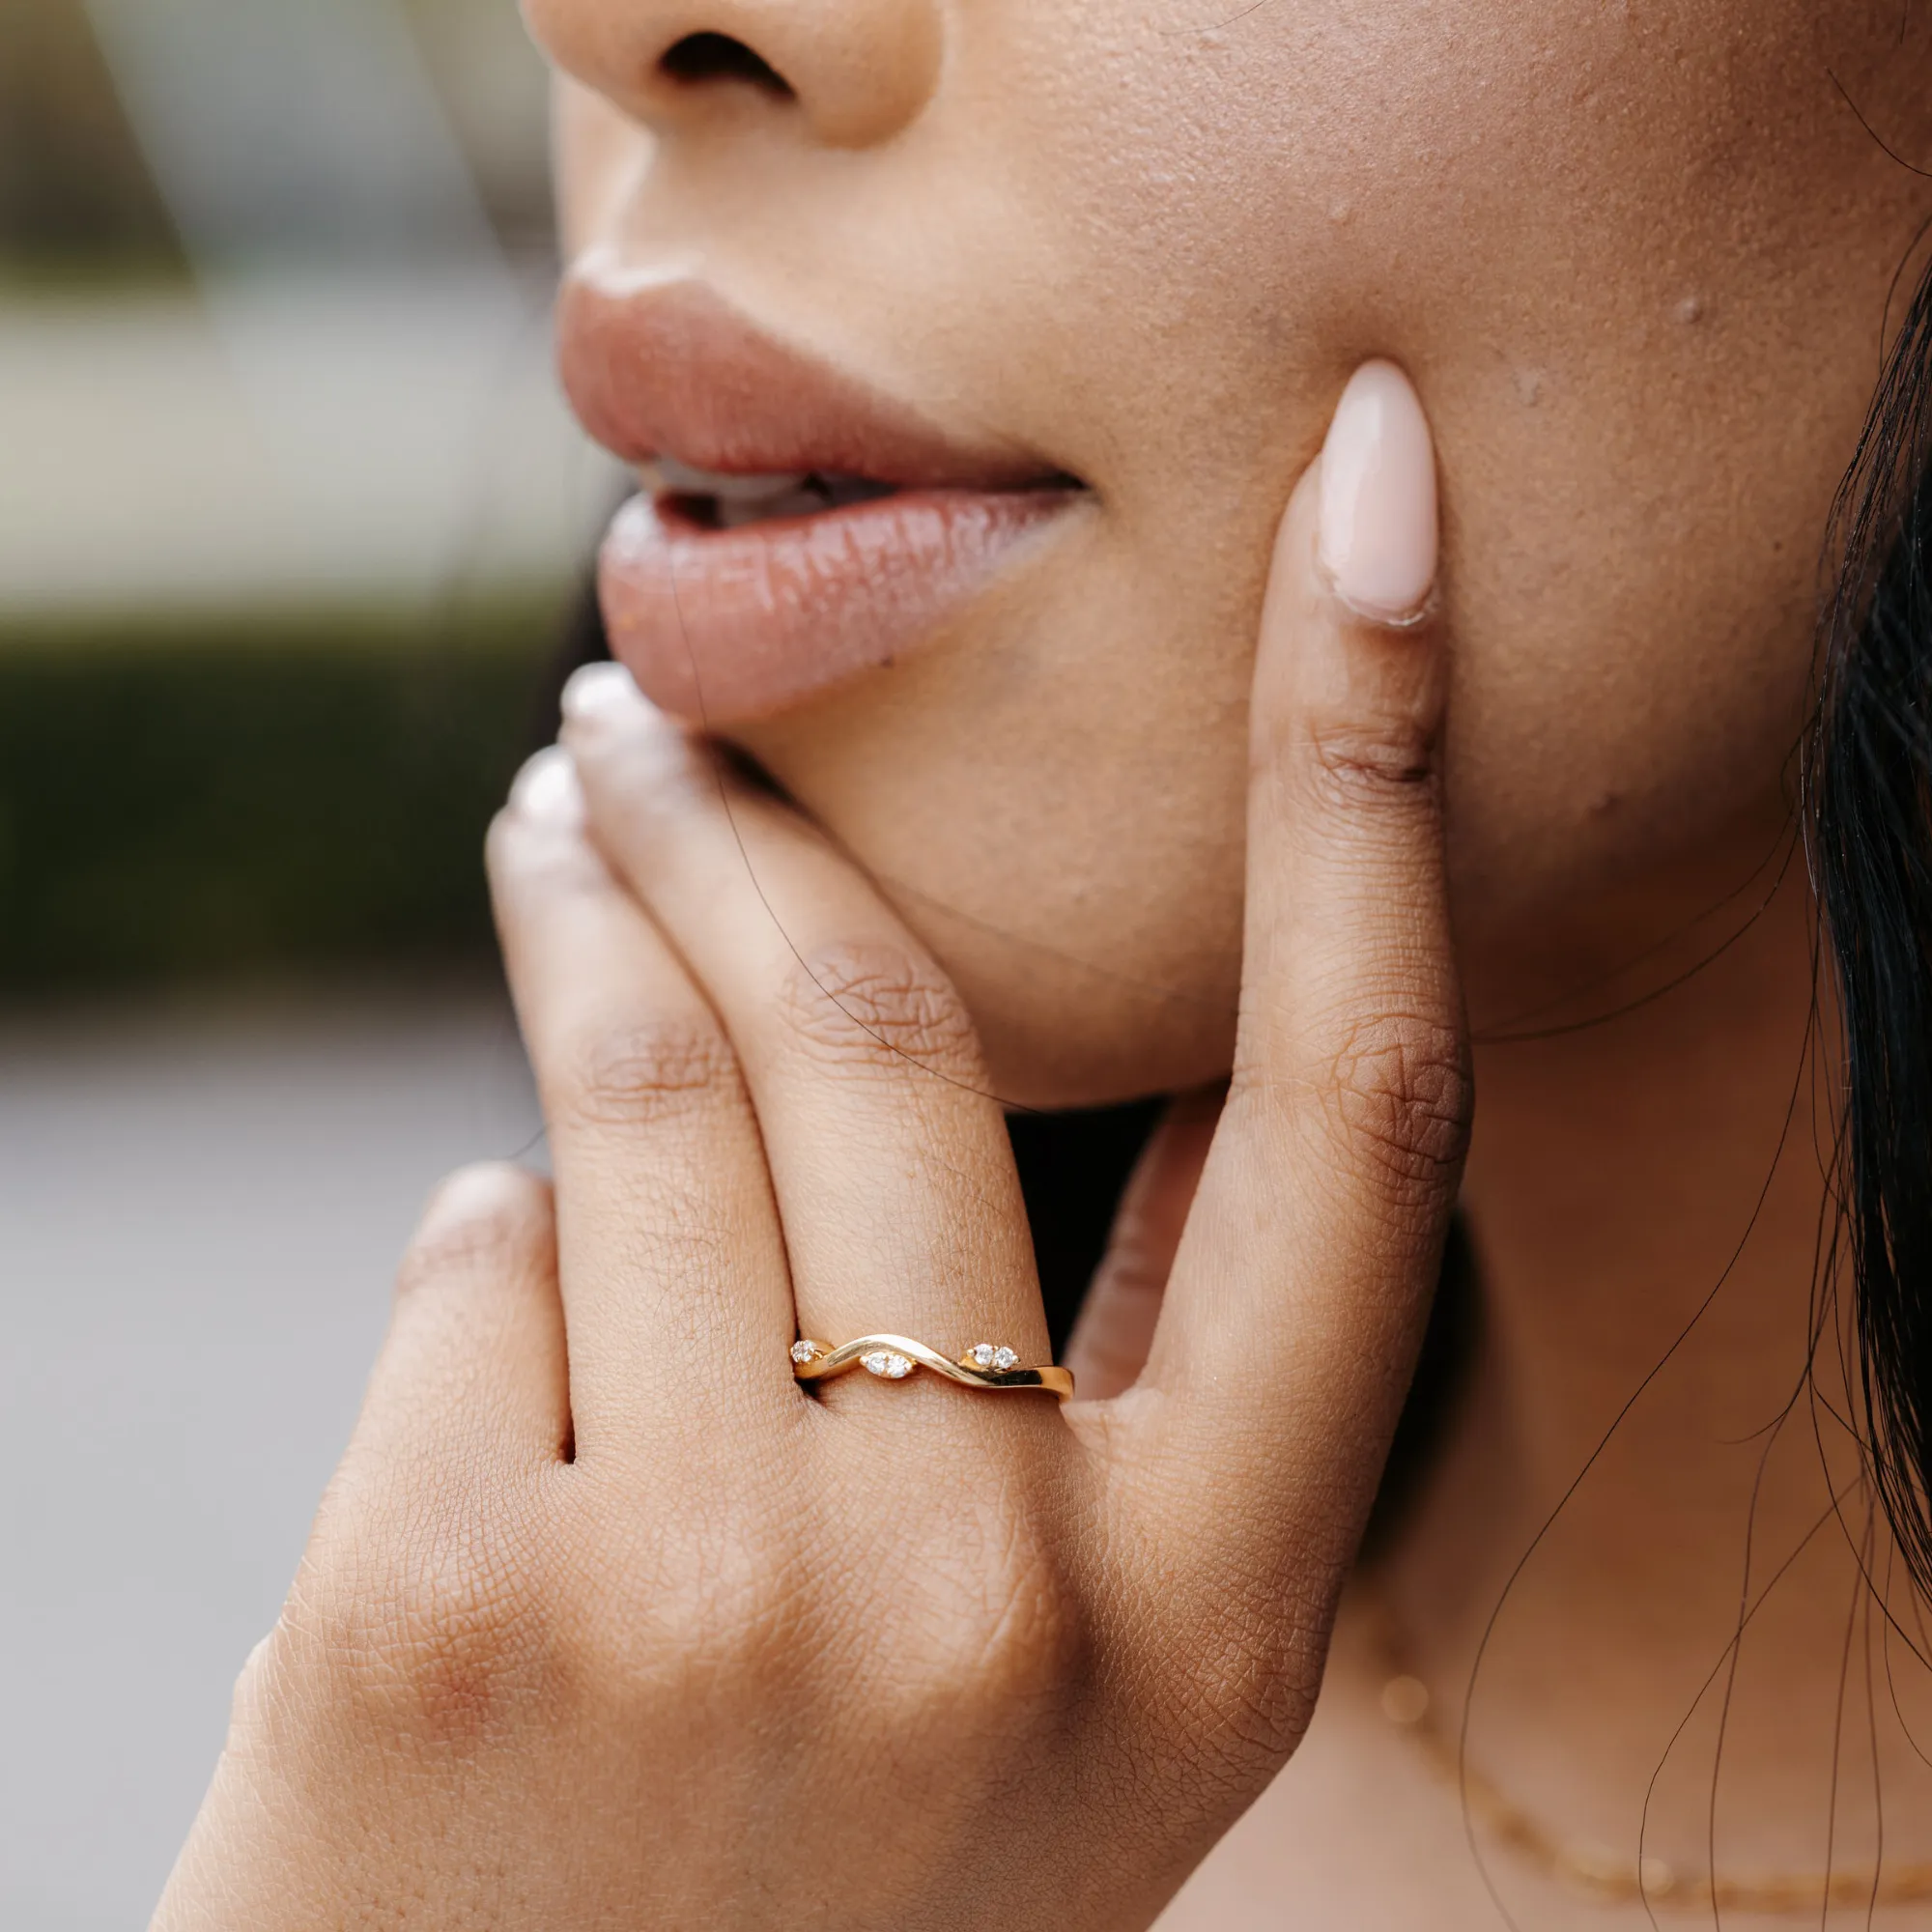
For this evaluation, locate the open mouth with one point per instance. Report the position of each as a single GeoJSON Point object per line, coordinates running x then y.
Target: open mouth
{"type": "Point", "coordinates": [807, 527]}
{"type": "Point", "coordinates": [715, 500]}
{"type": "Point", "coordinates": [710, 499]}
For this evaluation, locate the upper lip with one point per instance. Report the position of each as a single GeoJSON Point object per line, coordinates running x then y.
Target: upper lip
{"type": "Point", "coordinates": [670, 369]}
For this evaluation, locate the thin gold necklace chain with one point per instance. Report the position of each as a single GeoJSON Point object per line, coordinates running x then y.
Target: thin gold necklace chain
{"type": "Point", "coordinates": [1603, 1874]}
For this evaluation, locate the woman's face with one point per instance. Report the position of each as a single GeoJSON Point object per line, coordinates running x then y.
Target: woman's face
{"type": "Point", "coordinates": [1634, 254]}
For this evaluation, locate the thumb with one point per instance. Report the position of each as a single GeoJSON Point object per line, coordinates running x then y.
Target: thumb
{"type": "Point", "coordinates": [1299, 1291]}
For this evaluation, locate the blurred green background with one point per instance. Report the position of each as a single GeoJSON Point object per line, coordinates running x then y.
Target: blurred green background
{"type": "Point", "coordinates": [291, 515]}
{"type": "Point", "coordinates": [261, 794]}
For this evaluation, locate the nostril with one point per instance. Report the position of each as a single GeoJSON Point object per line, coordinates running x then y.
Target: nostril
{"type": "Point", "coordinates": [702, 57]}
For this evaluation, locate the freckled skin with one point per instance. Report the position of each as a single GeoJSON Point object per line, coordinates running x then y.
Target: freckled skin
{"type": "Point", "coordinates": [1636, 259]}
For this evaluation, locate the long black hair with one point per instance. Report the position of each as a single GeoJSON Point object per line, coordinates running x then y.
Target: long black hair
{"type": "Point", "coordinates": [1867, 796]}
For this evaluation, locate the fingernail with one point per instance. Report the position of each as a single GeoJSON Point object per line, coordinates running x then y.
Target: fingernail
{"type": "Point", "coordinates": [1379, 527]}
{"type": "Point", "coordinates": [548, 790]}
{"type": "Point", "coordinates": [601, 691]}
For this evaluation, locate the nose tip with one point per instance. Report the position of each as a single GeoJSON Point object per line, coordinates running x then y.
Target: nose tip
{"type": "Point", "coordinates": [854, 72]}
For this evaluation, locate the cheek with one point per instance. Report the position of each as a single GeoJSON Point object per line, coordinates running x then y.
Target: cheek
{"type": "Point", "coordinates": [1636, 276]}
{"type": "Point", "coordinates": [1634, 638]}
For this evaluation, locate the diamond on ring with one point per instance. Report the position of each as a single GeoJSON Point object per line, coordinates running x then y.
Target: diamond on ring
{"type": "Point", "coordinates": [803, 1351]}
{"type": "Point", "coordinates": [986, 1356]}
{"type": "Point", "coordinates": [888, 1363]}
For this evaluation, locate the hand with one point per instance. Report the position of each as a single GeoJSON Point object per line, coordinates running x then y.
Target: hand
{"type": "Point", "coordinates": [607, 1621]}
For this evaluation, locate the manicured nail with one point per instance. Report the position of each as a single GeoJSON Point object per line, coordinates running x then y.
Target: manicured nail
{"type": "Point", "coordinates": [548, 790]}
{"type": "Point", "coordinates": [1378, 529]}
{"type": "Point", "coordinates": [601, 691]}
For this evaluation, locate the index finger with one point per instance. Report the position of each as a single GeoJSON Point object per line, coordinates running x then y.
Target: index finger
{"type": "Point", "coordinates": [1304, 1274]}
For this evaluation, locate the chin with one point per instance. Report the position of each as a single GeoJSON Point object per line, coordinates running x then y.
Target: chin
{"type": "Point", "coordinates": [1095, 941]}
{"type": "Point", "coordinates": [1060, 1035]}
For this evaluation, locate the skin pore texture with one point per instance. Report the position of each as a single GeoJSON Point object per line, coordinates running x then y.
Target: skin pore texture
{"type": "Point", "coordinates": [1635, 256]}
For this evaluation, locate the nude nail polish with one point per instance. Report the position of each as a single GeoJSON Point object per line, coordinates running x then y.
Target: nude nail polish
{"type": "Point", "coordinates": [1379, 512]}
{"type": "Point", "coordinates": [549, 790]}
{"type": "Point", "coordinates": [601, 691]}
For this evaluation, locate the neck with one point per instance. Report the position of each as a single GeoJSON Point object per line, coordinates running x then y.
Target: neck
{"type": "Point", "coordinates": [1645, 1197]}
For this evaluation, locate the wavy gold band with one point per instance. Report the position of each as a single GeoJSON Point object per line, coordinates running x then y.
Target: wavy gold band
{"type": "Point", "coordinates": [894, 1357]}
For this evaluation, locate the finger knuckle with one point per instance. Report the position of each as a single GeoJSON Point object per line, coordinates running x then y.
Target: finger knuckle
{"type": "Point", "coordinates": [874, 1006]}
{"type": "Point", "coordinates": [253, 1697]}
{"type": "Point", "coordinates": [1371, 764]}
{"type": "Point", "coordinates": [422, 1615]}
{"type": "Point", "coordinates": [985, 1620]}
{"type": "Point", "coordinates": [1397, 1093]}
{"type": "Point", "coordinates": [491, 1218]}
{"type": "Point", "coordinates": [646, 1074]}
{"type": "Point", "coordinates": [712, 1604]}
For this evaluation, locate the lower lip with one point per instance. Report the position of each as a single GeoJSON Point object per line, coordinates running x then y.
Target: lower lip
{"type": "Point", "coordinates": [725, 626]}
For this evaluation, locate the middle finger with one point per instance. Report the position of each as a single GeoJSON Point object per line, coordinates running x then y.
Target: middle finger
{"type": "Point", "coordinates": [894, 1175]}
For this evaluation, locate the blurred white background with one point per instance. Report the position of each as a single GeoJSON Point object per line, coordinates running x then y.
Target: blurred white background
{"type": "Point", "coordinates": [289, 510]}
{"type": "Point", "coordinates": [348, 390]}
{"type": "Point", "coordinates": [200, 1218]}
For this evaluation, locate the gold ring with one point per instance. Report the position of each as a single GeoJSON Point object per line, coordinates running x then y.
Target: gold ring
{"type": "Point", "coordinates": [985, 1365]}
